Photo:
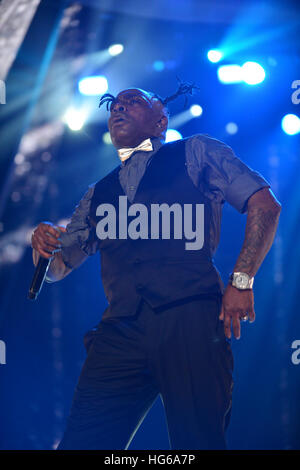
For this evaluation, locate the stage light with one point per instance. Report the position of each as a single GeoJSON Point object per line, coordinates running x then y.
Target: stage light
{"type": "Point", "coordinates": [230, 74]}
{"type": "Point", "coordinates": [95, 85]}
{"type": "Point", "coordinates": [106, 138]}
{"type": "Point", "coordinates": [116, 49]}
{"type": "Point", "coordinates": [172, 135]}
{"type": "Point", "coordinates": [19, 158]}
{"type": "Point", "coordinates": [231, 128]}
{"type": "Point", "coordinates": [196, 110]}
{"type": "Point", "coordinates": [290, 124]}
{"type": "Point", "coordinates": [75, 119]}
{"type": "Point", "coordinates": [253, 73]}
{"type": "Point", "coordinates": [214, 55]}
{"type": "Point", "coordinates": [158, 65]}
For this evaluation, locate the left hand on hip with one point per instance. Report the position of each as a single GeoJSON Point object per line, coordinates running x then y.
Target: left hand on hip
{"type": "Point", "coordinates": [237, 305]}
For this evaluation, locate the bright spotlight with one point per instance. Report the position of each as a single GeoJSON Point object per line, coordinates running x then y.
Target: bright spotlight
{"type": "Point", "coordinates": [95, 85]}
{"type": "Point", "coordinates": [75, 119]}
{"type": "Point", "coordinates": [230, 74]}
{"type": "Point", "coordinates": [290, 124]}
{"type": "Point", "coordinates": [196, 110]}
{"type": "Point", "coordinates": [253, 73]}
{"type": "Point", "coordinates": [214, 55]}
{"type": "Point", "coordinates": [231, 128]}
{"type": "Point", "coordinates": [116, 49]}
{"type": "Point", "coordinates": [172, 135]}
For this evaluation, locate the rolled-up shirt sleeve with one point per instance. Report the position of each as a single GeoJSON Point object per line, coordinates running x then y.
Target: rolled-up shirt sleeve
{"type": "Point", "coordinates": [79, 242]}
{"type": "Point", "coordinates": [225, 173]}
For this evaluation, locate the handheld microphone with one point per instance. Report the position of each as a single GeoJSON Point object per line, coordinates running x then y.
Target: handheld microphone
{"type": "Point", "coordinates": [38, 277]}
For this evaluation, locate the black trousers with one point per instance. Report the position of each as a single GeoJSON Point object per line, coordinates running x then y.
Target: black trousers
{"type": "Point", "coordinates": [180, 353]}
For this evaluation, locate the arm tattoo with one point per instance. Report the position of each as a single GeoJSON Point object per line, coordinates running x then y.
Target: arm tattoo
{"type": "Point", "coordinates": [260, 232]}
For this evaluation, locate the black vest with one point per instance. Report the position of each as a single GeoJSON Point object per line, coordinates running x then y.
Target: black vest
{"type": "Point", "coordinates": [159, 270]}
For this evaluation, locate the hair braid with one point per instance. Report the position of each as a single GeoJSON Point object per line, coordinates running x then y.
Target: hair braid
{"type": "Point", "coordinates": [108, 99]}
{"type": "Point", "coordinates": [184, 88]}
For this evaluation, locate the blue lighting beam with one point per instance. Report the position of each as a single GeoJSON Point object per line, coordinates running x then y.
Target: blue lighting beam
{"type": "Point", "coordinates": [94, 85]}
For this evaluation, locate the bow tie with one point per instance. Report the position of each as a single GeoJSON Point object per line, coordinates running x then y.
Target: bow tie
{"type": "Point", "coordinates": [145, 146]}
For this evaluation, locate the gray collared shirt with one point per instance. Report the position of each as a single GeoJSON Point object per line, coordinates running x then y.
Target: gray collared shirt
{"type": "Point", "coordinates": [222, 175]}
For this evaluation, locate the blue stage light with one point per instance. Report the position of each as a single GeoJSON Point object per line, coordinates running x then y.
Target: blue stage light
{"type": "Point", "coordinates": [196, 110]}
{"type": "Point", "coordinates": [214, 55]}
{"type": "Point", "coordinates": [95, 85]}
{"type": "Point", "coordinates": [253, 73]}
{"type": "Point", "coordinates": [290, 124]}
{"type": "Point", "coordinates": [116, 49]}
{"type": "Point", "coordinates": [230, 74]}
{"type": "Point", "coordinates": [75, 118]}
{"type": "Point", "coordinates": [158, 65]}
{"type": "Point", "coordinates": [172, 135]}
{"type": "Point", "coordinates": [231, 128]}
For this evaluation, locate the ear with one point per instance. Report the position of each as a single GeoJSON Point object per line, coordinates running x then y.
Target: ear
{"type": "Point", "coordinates": [162, 124]}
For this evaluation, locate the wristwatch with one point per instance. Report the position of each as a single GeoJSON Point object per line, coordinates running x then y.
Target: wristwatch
{"type": "Point", "coordinates": [241, 281]}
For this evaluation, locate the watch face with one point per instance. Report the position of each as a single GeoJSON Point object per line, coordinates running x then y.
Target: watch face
{"type": "Point", "coordinates": [242, 281]}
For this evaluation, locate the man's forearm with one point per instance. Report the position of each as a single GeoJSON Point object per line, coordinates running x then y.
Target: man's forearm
{"type": "Point", "coordinates": [57, 269]}
{"type": "Point", "coordinates": [262, 221]}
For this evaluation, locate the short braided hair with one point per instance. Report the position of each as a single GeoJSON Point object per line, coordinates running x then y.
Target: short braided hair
{"type": "Point", "coordinates": [184, 88]}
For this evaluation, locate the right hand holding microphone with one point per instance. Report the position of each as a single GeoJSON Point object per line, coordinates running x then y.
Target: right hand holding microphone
{"type": "Point", "coordinates": [45, 239]}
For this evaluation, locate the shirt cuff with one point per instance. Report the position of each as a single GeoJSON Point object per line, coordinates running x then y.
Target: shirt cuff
{"type": "Point", "coordinates": [238, 194]}
{"type": "Point", "coordinates": [73, 256]}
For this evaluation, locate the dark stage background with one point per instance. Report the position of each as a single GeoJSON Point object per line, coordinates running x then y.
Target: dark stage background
{"type": "Point", "coordinates": [46, 167]}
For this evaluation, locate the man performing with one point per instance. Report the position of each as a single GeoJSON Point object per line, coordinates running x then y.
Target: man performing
{"type": "Point", "coordinates": [167, 327]}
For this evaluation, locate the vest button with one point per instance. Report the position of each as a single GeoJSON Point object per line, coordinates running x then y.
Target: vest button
{"type": "Point", "coordinates": [137, 260]}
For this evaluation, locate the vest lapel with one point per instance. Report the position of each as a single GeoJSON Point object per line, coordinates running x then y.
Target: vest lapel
{"type": "Point", "coordinates": [162, 159]}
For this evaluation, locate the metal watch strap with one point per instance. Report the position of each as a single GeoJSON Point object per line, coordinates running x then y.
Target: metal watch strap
{"type": "Point", "coordinates": [235, 274]}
